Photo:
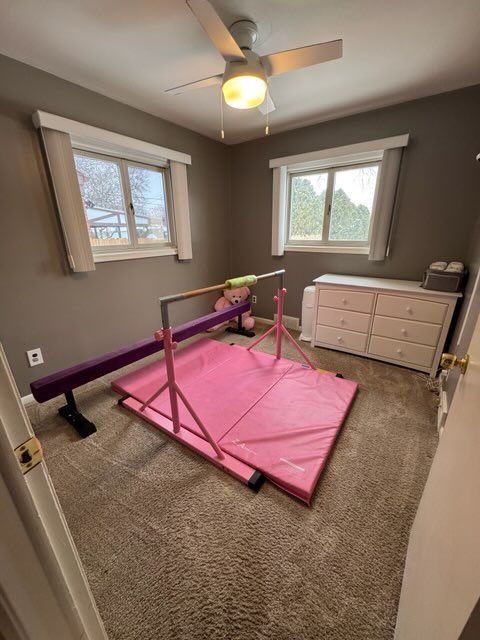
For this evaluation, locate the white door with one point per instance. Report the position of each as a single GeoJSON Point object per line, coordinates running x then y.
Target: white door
{"type": "Point", "coordinates": [441, 584]}
{"type": "Point", "coordinates": [44, 592]}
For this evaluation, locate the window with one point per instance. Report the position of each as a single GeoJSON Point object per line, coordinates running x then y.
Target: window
{"type": "Point", "coordinates": [117, 198]}
{"type": "Point", "coordinates": [331, 206]}
{"type": "Point", "coordinates": [127, 204]}
{"type": "Point", "coordinates": [338, 200]}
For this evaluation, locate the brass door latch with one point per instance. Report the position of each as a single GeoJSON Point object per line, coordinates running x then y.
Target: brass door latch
{"type": "Point", "coordinates": [29, 454]}
{"type": "Point", "coordinates": [449, 361]}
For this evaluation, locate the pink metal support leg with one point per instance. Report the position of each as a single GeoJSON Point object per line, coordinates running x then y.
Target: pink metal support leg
{"type": "Point", "coordinates": [264, 335]}
{"type": "Point", "coordinates": [175, 391]}
{"type": "Point", "coordinates": [204, 429]}
{"type": "Point", "coordinates": [280, 329]}
{"type": "Point", "coordinates": [298, 348]}
{"type": "Point", "coordinates": [169, 348]}
{"type": "Point", "coordinates": [148, 402]}
{"type": "Point", "coordinates": [278, 338]}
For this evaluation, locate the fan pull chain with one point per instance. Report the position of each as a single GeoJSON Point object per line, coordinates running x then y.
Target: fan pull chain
{"type": "Point", "coordinates": [222, 131]}
{"type": "Point", "coordinates": [267, 128]}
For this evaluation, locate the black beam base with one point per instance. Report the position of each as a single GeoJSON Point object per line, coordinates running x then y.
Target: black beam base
{"type": "Point", "coordinates": [121, 400]}
{"type": "Point", "coordinates": [242, 331]}
{"type": "Point", "coordinates": [72, 415]}
{"type": "Point", "coordinates": [256, 480]}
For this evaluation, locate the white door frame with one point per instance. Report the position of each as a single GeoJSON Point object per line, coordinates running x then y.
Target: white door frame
{"type": "Point", "coordinates": [441, 582]}
{"type": "Point", "coordinates": [43, 586]}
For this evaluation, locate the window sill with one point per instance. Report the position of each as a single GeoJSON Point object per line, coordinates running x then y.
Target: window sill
{"type": "Point", "coordinates": [326, 249]}
{"type": "Point", "coordinates": [115, 256]}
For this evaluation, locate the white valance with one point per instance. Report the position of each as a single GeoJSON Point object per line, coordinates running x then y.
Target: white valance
{"type": "Point", "coordinates": [84, 136]}
{"type": "Point", "coordinates": [58, 150]}
{"type": "Point", "coordinates": [383, 206]}
{"type": "Point", "coordinates": [347, 154]}
{"type": "Point", "coordinates": [181, 209]}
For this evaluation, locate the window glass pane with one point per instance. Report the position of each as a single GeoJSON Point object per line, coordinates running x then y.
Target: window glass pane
{"type": "Point", "coordinates": [352, 203]}
{"type": "Point", "coordinates": [148, 197]}
{"type": "Point", "coordinates": [101, 189]}
{"type": "Point", "coordinates": [307, 204]}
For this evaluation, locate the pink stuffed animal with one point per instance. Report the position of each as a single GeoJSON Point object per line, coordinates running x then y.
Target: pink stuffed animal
{"type": "Point", "coordinates": [235, 296]}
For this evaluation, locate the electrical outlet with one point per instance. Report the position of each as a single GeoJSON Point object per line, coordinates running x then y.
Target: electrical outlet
{"type": "Point", "coordinates": [254, 299]}
{"type": "Point", "coordinates": [34, 357]}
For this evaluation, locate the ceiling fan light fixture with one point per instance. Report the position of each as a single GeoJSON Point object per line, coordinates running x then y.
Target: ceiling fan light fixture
{"type": "Point", "coordinates": [244, 92]}
{"type": "Point", "coordinates": [244, 82]}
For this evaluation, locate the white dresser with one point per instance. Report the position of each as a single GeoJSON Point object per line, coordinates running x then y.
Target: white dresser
{"type": "Point", "coordinates": [391, 320]}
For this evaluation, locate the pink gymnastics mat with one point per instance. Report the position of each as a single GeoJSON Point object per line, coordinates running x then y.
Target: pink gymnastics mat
{"type": "Point", "coordinates": [274, 416]}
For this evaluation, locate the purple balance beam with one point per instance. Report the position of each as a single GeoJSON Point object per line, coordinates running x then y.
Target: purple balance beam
{"type": "Point", "coordinates": [62, 381]}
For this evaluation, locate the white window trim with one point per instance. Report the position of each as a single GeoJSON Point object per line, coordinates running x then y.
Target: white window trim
{"type": "Point", "coordinates": [326, 248]}
{"type": "Point", "coordinates": [383, 151]}
{"type": "Point", "coordinates": [134, 254]}
{"type": "Point", "coordinates": [88, 138]}
{"type": "Point", "coordinates": [359, 152]}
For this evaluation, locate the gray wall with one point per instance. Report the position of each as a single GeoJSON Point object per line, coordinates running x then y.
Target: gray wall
{"type": "Point", "coordinates": [73, 317]}
{"type": "Point", "coordinates": [437, 202]}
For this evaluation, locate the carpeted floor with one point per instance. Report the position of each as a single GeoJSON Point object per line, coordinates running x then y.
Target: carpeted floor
{"type": "Point", "coordinates": [176, 549]}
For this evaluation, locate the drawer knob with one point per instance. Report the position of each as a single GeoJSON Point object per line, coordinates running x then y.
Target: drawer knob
{"type": "Point", "coordinates": [344, 300]}
{"type": "Point", "coordinates": [404, 331]}
{"type": "Point", "coordinates": [342, 320]}
{"type": "Point", "coordinates": [409, 309]}
{"type": "Point", "coordinates": [339, 338]}
{"type": "Point", "coordinates": [399, 351]}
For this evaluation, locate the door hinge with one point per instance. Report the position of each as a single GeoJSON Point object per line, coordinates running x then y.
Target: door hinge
{"type": "Point", "coordinates": [29, 454]}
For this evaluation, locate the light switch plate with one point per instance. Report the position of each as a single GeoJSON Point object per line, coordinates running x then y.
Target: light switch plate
{"type": "Point", "coordinates": [34, 357]}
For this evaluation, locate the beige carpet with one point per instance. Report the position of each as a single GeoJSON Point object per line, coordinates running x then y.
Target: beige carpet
{"type": "Point", "coordinates": [176, 549]}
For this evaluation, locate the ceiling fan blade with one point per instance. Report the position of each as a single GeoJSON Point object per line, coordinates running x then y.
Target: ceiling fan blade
{"type": "Point", "coordinates": [284, 61]}
{"type": "Point", "coordinates": [199, 84]}
{"type": "Point", "coordinates": [267, 105]}
{"type": "Point", "coordinates": [216, 30]}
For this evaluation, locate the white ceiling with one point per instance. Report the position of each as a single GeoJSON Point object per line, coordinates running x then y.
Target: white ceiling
{"type": "Point", "coordinates": [131, 50]}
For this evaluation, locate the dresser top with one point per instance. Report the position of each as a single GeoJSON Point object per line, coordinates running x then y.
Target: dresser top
{"type": "Point", "coordinates": [407, 286]}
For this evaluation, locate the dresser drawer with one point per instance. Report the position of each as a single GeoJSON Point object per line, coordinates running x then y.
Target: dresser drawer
{"type": "Point", "coordinates": [341, 338]}
{"type": "Point", "coordinates": [351, 320]}
{"type": "Point", "coordinates": [408, 330]}
{"type": "Point", "coordinates": [406, 352]}
{"type": "Point", "coordinates": [411, 308]}
{"type": "Point", "coordinates": [346, 299]}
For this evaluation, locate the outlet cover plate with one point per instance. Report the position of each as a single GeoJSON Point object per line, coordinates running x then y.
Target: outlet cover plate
{"type": "Point", "coordinates": [34, 357]}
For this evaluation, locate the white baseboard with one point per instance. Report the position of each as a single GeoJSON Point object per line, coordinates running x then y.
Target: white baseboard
{"type": "Point", "coordinates": [264, 320]}
{"type": "Point", "coordinates": [26, 399]}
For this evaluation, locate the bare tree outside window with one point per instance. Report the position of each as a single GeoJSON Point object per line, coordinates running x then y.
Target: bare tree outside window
{"type": "Point", "coordinates": [125, 203]}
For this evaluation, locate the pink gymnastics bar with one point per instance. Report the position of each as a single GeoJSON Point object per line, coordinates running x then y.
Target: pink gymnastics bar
{"type": "Point", "coordinates": [255, 479]}
{"type": "Point", "coordinates": [260, 431]}
{"type": "Point", "coordinates": [165, 334]}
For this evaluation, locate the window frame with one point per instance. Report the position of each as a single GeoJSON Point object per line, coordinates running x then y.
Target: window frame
{"type": "Point", "coordinates": [346, 246]}
{"type": "Point", "coordinates": [135, 249]}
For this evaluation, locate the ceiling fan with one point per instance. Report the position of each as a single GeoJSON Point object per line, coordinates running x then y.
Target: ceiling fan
{"type": "Point", "coordinates": [244, 82]}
